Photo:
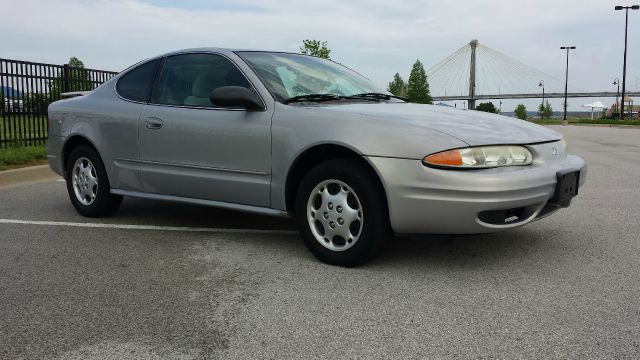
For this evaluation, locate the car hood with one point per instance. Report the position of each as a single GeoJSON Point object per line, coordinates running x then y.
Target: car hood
{"type": "Point", "coordinates": [472, 127]}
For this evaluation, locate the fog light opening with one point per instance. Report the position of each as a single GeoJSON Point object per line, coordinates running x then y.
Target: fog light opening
{"type": "Point", "coordinates": [507, 216]}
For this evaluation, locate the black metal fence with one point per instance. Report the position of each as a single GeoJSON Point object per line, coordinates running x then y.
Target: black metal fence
{"type": "Point", "coordinates": [27, 89]}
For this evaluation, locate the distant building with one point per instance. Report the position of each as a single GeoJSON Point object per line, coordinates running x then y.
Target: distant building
{"type": "Point", "coordinates": [11, 99]}
{"type": "Point", "coordinates": [12, 105]}
{"type": "Point", "coordinates": [629, 107]}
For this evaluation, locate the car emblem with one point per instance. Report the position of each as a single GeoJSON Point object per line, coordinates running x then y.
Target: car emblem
{"type": "Point", "coordinates": [554, 151]}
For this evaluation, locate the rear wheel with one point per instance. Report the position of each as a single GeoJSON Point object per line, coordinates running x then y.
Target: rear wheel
{"type": "Point", "coordinates": [88, 185]}
{"type": "Point", "coordinates": [342, 213]}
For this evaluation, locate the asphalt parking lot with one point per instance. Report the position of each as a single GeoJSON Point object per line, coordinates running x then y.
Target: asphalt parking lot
{"type": "Point", "coordinates": [164, 280]}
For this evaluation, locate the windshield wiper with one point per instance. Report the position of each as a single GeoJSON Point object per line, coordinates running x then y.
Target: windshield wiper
{"type": "Point", "coordinates": [330, 97]}
{"type": "Point", "coordinates": [378, 96]}
{"type": "Point", "coordinates": [311, 97]}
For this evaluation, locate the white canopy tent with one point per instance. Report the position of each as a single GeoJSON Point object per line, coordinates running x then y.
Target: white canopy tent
{"type": "Point", "coordinates": [595, 105]}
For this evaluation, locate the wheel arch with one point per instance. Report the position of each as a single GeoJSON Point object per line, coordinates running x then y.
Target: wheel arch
{"type": "Point", "coordinates": [318, 154]}
{"type": "Point", "coordinates": [73, 142]}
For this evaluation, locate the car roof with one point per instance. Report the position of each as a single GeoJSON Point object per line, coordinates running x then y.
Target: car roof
{"type": "Point", "coordinates": [224, 51]}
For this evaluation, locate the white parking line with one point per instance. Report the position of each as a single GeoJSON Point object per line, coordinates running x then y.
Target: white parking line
{"type": "Point", "coordinates": [149, 227]}
{"type": "Point", "coordinates": [61, 180]}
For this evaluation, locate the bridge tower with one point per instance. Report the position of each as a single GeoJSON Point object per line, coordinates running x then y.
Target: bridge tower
{"type": "Point", "coordinates": [471, 103]}
{"type": "Point", "coordinates": [475, 73]}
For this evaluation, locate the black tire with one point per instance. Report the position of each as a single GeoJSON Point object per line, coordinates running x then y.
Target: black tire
{"type": "Point", "coordinates": [375, 227]}
{"type": "Point", "coordinates": [104, 203]}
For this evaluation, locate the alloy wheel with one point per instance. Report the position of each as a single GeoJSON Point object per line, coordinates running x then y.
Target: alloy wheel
{"type": "Point", "coordinates": [85, 181]}
{"type": "Point", "coordinates": [335, 215]}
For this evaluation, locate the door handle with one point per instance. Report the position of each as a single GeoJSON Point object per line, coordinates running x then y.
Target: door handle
{"type": "Point", "coordinates": [153, 123]}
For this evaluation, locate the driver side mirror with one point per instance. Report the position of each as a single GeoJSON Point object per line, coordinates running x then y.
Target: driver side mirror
{"type": "Point", "coordinates": [236, 97]}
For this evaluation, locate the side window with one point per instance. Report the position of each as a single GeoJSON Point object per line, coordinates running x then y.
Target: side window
{"type": "Point", "coordinates": [136, 84]}
{"type": "Point", "coordinates": [189, 79]}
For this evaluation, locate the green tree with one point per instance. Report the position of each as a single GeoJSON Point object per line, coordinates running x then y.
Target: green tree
{"type": "Point", "coordinates": [487, 107]}
{"type": "Point", "coordinates": [75, 62]}
{"type": "Point", "coordinates": [541, 111]}
{"type": "Point", "coordinates": [545, 111]}
{"type": "Point", "coordinates": [521, 112]}
{"type": "Point", "coordinates": [37, 103]}
{"type": "Point", "coordinates": [417, 86]}
{"type": "Point", "coordinates": [397, 87]}
{"type": "Point", "coordinates": [79, 79]}
{"type": "Point", "coordinates": [315, 48]}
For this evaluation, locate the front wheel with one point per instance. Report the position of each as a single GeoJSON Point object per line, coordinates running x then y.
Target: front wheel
{"type": "Point", "coordinates": [88, 185]}
{"type": "Point", "coordinates": [342, 212]}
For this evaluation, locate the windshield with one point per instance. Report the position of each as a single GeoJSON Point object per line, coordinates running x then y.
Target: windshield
{"type": "Point", "coordinates": [291, 75]}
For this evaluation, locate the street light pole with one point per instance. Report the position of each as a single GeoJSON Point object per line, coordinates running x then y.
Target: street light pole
{"type": "Point", "coordinates": [566, 82]}
{"type": "Point", "coordinates": [616, 81]}
{"type": "Point", "coordinates": [542, 112]}
{"type": "Point", "coordinates": [624, 64]}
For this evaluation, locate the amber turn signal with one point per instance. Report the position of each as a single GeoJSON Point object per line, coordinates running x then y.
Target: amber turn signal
{"type": "Point", "coordinates": [445, 158]}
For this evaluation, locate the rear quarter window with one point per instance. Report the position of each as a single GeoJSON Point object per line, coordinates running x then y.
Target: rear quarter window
{"type": "Point", "coordinates": [137, 83]}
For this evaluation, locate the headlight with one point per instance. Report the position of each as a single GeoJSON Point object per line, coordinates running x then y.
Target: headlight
{"type": "Point", "coordinates": [481, 157]}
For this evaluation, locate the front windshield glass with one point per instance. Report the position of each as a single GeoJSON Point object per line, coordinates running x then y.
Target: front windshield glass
{"type": "Point", "coordinates": [290, 75]}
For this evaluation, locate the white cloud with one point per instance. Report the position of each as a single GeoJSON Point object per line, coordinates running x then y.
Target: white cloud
{"type": "Point", "coordinates": [378, 38]}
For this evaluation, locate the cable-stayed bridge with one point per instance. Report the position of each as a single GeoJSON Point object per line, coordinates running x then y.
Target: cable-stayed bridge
{"type": "Point", "coordinates": [476, 72]}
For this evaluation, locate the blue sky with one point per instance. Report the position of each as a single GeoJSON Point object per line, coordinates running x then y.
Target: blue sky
{"type": "Point", "coordinates": [377, 38]}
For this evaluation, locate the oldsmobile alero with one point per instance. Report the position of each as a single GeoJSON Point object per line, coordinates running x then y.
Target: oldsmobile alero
{"type": "Point", "coordinates": [293, 135]}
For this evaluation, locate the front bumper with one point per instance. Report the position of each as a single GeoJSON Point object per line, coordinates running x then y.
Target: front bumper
{"type": "Point", "coordinates": [435, 201]}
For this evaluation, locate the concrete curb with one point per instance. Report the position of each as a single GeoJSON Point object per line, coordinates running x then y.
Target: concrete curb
{"type": "Point", "coordinates": [26, 176]}
{"type": "Point", "coordinates": [619, 126]}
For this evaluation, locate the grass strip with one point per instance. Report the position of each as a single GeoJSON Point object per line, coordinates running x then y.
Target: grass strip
{"type": "Point", "coordinates": [16, 157]}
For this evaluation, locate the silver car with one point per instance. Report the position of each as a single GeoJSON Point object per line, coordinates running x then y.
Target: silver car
{"type": "Point", "coordinates": [293, 135]}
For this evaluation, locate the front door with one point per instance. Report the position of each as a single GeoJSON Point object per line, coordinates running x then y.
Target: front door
{"type": "Point", "coordinates": [190, 148]}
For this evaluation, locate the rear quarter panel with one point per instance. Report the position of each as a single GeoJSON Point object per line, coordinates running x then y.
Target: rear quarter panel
{"type": "Point", "coordinates": [107, 122]}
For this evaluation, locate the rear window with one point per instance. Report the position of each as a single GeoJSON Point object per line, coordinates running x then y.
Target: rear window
{"type": "Point", "coordinates": [137, 83]}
